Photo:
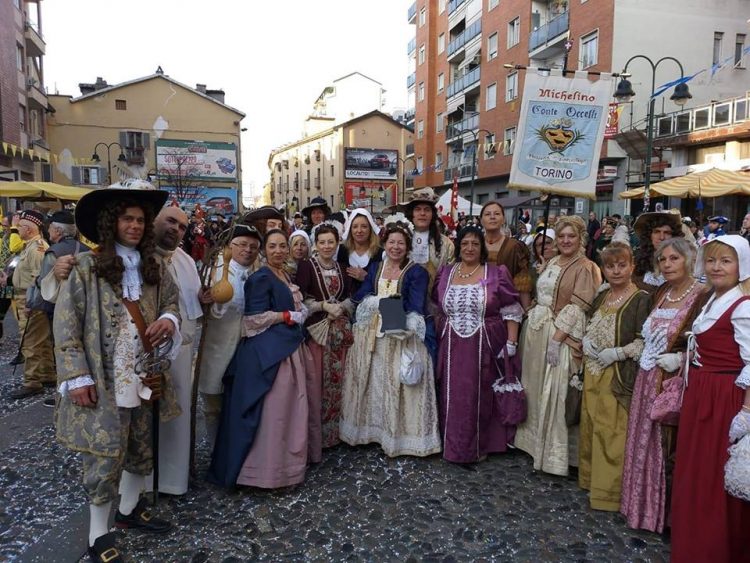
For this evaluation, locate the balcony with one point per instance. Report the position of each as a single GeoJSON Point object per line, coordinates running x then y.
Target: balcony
{"type": "Point", "coordinates": [35, 45]}
{"type": "Point", "coordinates": [412, 13]}
{"type": "Point", "coordinates": [725, 113]}
{"type": "Point", "coordinates": [454, 5]}
{"type": "Point", "coordinates": [37, 99]}
{"type": "Point", "coordinates": [409, 149]}
{"type": "Point", "coordinates": [317, 182]}
{"type": "Point", "coordinates": [462, 171]}
{"type": "Point", "coordinates": [459, 128]}
{"type": "Point", "coordinates": [468, 80]}
{"type": "Point", "coordinates": [307, 183]}
{"type": "Point", "coordinates": [411, 47]}
{"type": "Point", "coordinates": [410, 80]}
{"type": "Point", "coordinates": [463, 38]}
{"type": "Point", "coordinates": [409, 115]}
{"type": "Point", "coordinates": [550, 33]}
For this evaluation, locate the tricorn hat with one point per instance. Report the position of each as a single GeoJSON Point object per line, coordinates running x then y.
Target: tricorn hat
{"type": "Point", "coordinates": [262, 213]}
{"type": "Point", "coordinates": [645, 223]}
{"type": "Point", "coordinates": [89, 206]}
{"type": "Point", "coordinates": [318, 202]}
{"type": "Point", "coordinates": [245, 231]}
{"type": "Point", "coordinates": [718, 219]}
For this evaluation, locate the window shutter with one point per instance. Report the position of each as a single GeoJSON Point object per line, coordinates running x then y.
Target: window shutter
{"type": "Point", "coordinates": [103, 180]}
{"type": "Point", "coordinates": [124, 139]}
{"type": "Point", "coordinates": [146, 140]}
{"type": "Point", "coordinates": [76, 178]}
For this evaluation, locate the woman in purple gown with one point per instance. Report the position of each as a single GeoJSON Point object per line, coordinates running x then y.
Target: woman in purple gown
{"type": "Point", "coordinates": [477, 326]}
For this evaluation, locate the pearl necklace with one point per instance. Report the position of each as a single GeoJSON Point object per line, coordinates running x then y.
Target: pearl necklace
{"type": "Point", "coordinates": [617, 301]}
{"type": "Point", "coordinates": [466, 276]}
{"type": "Point", "coordinates": [669, 298]}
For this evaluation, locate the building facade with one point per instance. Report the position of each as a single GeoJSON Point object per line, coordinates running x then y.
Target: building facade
{"type": "Point", "coordinates": [24, 105]}
{"type": "Point", "coordinates": [465, 97]}
{"type": "Point", "coordinates": [185, 140]}
{"type": "Point", "coordinates": [358, 162]}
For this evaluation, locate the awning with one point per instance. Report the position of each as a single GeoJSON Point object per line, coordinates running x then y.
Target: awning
{"type": "Point", "coordinates": [710, 183]}
{"type": "Point", "coordinates": [41, 191]}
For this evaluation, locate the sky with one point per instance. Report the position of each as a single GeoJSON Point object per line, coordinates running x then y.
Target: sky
{"type": "Point", "coordinates": [272, 58]}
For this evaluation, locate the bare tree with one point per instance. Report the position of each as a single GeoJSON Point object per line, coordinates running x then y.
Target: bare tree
{"type": "Point", "coordinates": [182, 172]}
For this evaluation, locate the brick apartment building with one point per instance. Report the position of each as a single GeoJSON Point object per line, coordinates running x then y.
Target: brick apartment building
{"type": "Point", "coordinates": [461, 93]}
{"type": "Point", "coordinates": [23, 97]}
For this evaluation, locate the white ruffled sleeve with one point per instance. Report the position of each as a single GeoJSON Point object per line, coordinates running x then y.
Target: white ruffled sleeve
{"type": "Point", "coordinates": [572, 321]}
{"type": "Point", "coordinates": [741, 324]}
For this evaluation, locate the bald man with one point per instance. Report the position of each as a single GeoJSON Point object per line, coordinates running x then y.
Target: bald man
{"type": "Point", "coordinates": [170, 227]}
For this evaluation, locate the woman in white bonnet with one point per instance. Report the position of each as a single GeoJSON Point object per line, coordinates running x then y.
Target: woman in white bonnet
{"type": "Point", "coordinates": [361, 245]}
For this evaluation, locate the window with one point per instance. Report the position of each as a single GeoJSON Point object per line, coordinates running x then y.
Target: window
{"type": "Point", "coordinates": [492, 4]}
{"type": "Point", "coordinates": [514, 32]}
{"type": "Point", "coordinates": [22, 116]}
{"type": "Point", "coordinates": [19, 57]}
{"type": "Point", "coordinates": [739, 46]}
{"type": "Point", "coordinates": [589, 50]}
{"type": "Point", "coordinates": [441, 6]}
{"type": "Point", "coordinates": [422, 16]}
{"type": "Point", "coordinates": [491, 100]}
{"type": "Point", "coordinates": [135, 144]}
{"type": "Point", "coordinates": [420, 164]}
{"type": "Point", "coordinates": [88, 175]}
{"type": "Point", "coordinates": [438, 160]}
{"type": "Point", "coordinates": [421, 54]}
{"type": "Point", "coordinates": [420, 129]}
{"type": "Point", "coordinates": [511, 87]}
{"type": "Point", "coordinates": [17, 4]}
{"type": "Point", "coordinates": [509, 139]}
{"type": "Point", "coordinates": [441, 43]}
{"type": "Point", "coordinates": [121, 104]}
{"type": "Point", "coordinates": [718, 40]}
{"type": "Point", "coordinates": [332, 171]}
{"type": "Point", "coordinates": [420, 92]}
{"type": "Point", "coordinates": [439, 122]}
{"type": "Point", "coordinates": [490, 149]}
{"type": "Point", "coordinates": [492, 46]}
{"type": "Point", "coordinates": [440, 82]}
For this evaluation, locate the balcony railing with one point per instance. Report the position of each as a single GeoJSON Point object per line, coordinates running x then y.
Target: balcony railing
{"type": "Point", "coordinates": [464, 37]}
{"type": "Point", "coordinates": [317, 182]}
{"type": "Point", "coordinates": [550, 30]}
{"type": "Point", "coordinates": [412, 46]}
{"type": "Point", "coordinates": [307, 183]}
{"type": "Point", "coordinates": [409, 115]}
{"type": "Point", "coordinates": [463, 171]}
{"type": "Point", "coordinates": [456, 129]}
{"type": "Point", "coordinates": [411, 79]}
{"type": "Point", "coordinates": [718, 114]}
{"type": "Point", "coordinates": [454, 5]}
{"type": "Point", "coordinates": [458, 86]}
{"type": "Point", "coordinates": [412, 13]}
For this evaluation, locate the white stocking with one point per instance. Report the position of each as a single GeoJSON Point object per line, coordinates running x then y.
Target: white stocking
{"type": "Point", "coordinates": [131, 487]}
{"type": "Point", "coordinates": [98, 520]}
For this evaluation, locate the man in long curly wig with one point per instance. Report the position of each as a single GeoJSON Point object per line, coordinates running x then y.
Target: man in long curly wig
{"type": "Point", "coordinates": [652, 229]}
{"type": "Point", "coordinates": [118, 303]}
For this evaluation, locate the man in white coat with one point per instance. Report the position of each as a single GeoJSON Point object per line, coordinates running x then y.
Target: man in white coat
{"type": "Point", "coordinates": [170, 227]}
{"type": "Point", "coordinates": [224, 323]}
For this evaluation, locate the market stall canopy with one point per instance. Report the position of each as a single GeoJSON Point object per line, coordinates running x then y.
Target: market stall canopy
{"type": "Point", "coordinates": [41, 190]}
{"type": "Point", "coordinates": [444, 204]}
{"type": "Point", "coordinates": [710, 183]}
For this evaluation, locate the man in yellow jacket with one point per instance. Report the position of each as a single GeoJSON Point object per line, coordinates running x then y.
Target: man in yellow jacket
{"type": "Point", "coordinates": [10, 245]}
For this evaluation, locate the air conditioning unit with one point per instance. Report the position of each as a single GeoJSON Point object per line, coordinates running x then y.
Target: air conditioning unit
{"type": "Point", "coordinates": [31, 82]}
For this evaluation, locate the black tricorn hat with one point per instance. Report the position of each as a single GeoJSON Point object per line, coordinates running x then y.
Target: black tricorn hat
{"type": "Point", "coordinates": [318, 202]}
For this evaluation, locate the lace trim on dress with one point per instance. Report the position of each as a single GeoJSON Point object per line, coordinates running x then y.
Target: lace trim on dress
{"type": "Point", "coordinates": [572, 321]}
{"type": "Point", "coordinates": [737, 470]}
{"type": "Point", "coordinates": [655, 335]}
{"type": "Point", "coordinates": [254, 325]}
{"type": "Point", "coordinates": [75, 383]}
{"type": "Point", "coordinates": [464, 305]}
{"type": "Point", "coordinates": [743, 379]}
{"type": "Point", "coordinates": [654, 279]}
{"type": "Point", "coordinates": [513, 312]}
{"type": "Point", "coordinates": [131, 277]}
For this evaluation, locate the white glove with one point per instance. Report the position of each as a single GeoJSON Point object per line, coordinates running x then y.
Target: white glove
{"type": "Point", "coordinates": [669, 362]}
{"type": "Point", "coordinates": [334, 310]}
{"type": "Point", "coordinates": [510, 349]}
{"type": "Point", "coordinates": [740, 426]}
{"type": "Point", "coordinates": [553, 353]}
{"type": "Point", "coordinates": [609, 356]}
{"type": "Point", "coordinates": [589, 348]}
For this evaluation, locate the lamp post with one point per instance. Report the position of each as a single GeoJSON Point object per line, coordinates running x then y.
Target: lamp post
{"type": "Point", "coordinates": [403, 162]}
{"type": "Point", "coordinates": [459, 148]}
{"type": "Point", "coordinates": [121, 158]}
{"type": "Point", "coordinates": [625, 92]}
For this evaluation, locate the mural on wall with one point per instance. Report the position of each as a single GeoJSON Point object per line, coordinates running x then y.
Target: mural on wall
{"type": "Point", "coordinates": [212, 200]}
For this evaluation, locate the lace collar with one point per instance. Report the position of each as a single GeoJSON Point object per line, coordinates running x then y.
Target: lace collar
{"type": "Point", "coordinates": [131, 277]}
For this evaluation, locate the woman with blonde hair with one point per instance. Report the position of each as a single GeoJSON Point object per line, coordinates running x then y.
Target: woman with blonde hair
{"type": "Point", "coordinates": [551, 344]}
{"type": "Point", "coordinates": [708, 524]}
{"type": "Point", "coordinates": [361, 246]}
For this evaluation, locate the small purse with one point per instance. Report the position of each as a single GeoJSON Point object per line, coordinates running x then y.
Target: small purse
{"type": "Point", "coordinates": [737, 469]}
{"type": "Point", "coordinates": [412, 367]}
{"type": "Point", "coordinates": [510, 396]}
{"type": "Point", "coordinates": [666, 406]}
{"type": "Point", "coordinates": [574, 398]}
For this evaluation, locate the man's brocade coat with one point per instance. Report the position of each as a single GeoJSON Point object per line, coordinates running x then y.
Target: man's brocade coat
{"type": "Point", "coordinates": [87, 317]}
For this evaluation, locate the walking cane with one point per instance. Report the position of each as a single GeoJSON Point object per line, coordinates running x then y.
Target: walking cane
{"type": "Point", "coordinates": [20, 344]}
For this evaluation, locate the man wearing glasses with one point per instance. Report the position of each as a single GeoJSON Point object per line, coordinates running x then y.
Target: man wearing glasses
{"type": "Point", "coordinates": [224, 322]}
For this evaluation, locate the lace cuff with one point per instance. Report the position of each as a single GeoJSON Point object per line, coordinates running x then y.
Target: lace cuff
{"type": "Point", "coordinates": [75, 383]}
{"type": "Point", "coordinates": [254, 325]}
{"type": "Point", "coordinates": [348, 306]}
{"type": "Point", "coordinates": [512, 312]}
{"type": "Point", "coordinates": [313, 306]}
{"type": "Point", "coordinates": [415, 323]}
{"type": "Point", "coordinates": [743, 379]}
{"type": "Point", "coordinates": [634, 349]}
{"type": "Point", "coordinates": [572, 321]}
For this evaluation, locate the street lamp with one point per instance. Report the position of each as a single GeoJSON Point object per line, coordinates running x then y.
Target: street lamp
{"type": "Point", "coordinates": [459, 148]}
{"type": "Point", "coordinates": [414, 172]}
{"type": "Point", "coordinates": [121, 158]}
{"type": "Point", "coordinates": [625, 93]}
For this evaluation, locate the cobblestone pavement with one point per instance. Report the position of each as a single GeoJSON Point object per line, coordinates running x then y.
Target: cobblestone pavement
{"type": "Point", "coordinates": [357, 505]}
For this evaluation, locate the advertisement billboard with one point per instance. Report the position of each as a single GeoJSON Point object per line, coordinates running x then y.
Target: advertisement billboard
{"type": "Point", "coordinates": [373, 196]}
{"type": "Point", "coordinates": [196, 160]}
{"type": "Point", "coordinates": [212, 200]}
{"type": "Point", "coordinates": [375, 164]}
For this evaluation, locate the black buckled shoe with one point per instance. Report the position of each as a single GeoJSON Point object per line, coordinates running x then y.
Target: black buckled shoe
{"type": "Point", "coordinates": [142, 519]}
{"type": "Point", "coordinates": [104, 550]}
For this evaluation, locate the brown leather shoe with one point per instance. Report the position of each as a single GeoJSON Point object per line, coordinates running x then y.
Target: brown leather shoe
{"type": "Point", "coordinates": [23, 392]}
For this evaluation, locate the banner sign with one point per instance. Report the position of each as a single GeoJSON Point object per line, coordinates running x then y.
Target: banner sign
{"type": "Point", "coordinates": [196, 160]}
{"type": "Point", "coordinates": [613, 121]}
{"type": "Point", "coordinates": [377, 164]}
{"type": "Point", "coordinates": [560, 133]}
{"type": "Point", "coordinates": [373, 196]}
{"type": "Point", "coordinates": [212, 200]}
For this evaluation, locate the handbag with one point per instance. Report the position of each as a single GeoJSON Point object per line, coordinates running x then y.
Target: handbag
{"type": "Point", "coordinates": [412, 366]}
{"type": "Point", "coordinates": [737, 469]}
{"type": "Point", "coordinates": [510, 396]}
{"type": "Point", "coordinates": [666, 406]}
{"type": "Point", "coordinates": [574, 398]}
